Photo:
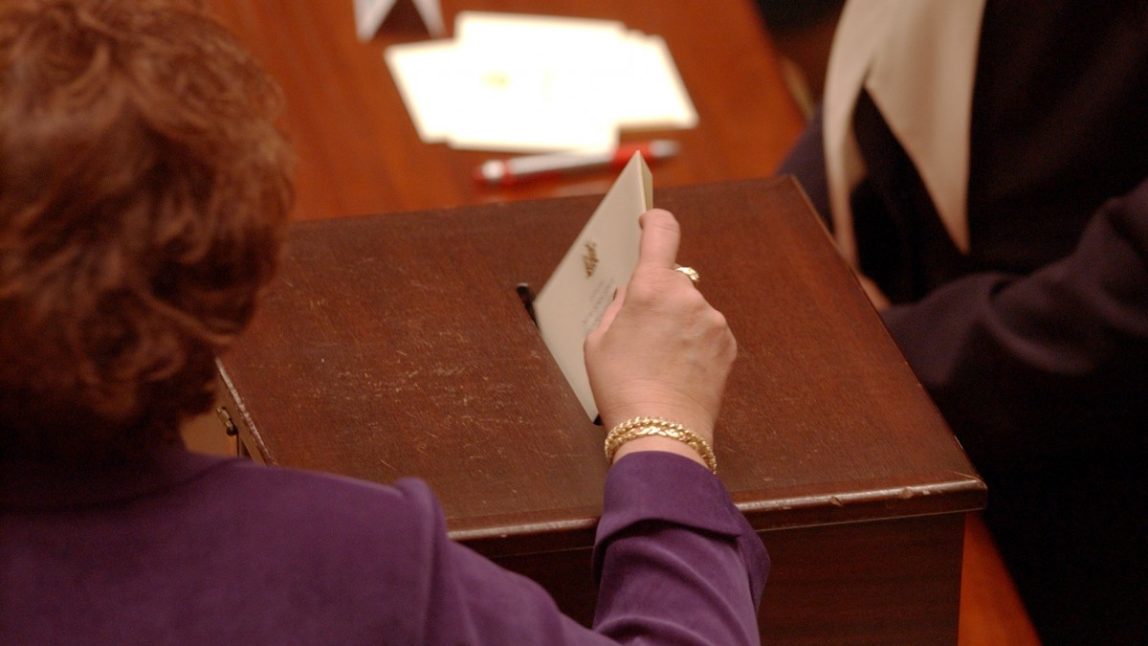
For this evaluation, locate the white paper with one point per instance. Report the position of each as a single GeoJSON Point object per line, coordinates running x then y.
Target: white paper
{"type": "Point", "coordinates": [427, 74]}
{"type": "Point", "coordinates": [651, 94]}
{"type": "Point", "coordinates": [551, 35]}
{"type": "Point", "coordinates": [371, 14]}
{"type": "Point", "coordinates": [571, 303]}
{"type": "Point", "coordinates": [531, 84]}
{"type": "Point", "coordinates": [526, 88]}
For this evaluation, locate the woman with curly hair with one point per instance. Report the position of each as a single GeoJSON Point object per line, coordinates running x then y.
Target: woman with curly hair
{"type": "Point", "coordinates": [143, 195]}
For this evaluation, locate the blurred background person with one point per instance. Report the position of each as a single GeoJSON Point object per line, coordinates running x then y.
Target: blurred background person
{"type": "Point", "coordinates": [966, 156]}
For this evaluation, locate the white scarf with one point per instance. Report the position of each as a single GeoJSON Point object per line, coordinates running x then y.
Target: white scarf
{"type": "Point", "coordinates": [917, 60]}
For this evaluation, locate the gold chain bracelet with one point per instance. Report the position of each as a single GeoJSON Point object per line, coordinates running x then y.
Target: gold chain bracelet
{"type": "Point", "coordinates": [636, 427]}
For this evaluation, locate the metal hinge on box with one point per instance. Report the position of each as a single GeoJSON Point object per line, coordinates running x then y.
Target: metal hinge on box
{"type": "Point", "coordinates": [228, 425]}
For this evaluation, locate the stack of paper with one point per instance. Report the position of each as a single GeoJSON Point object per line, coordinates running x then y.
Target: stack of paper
{"type": "Point", "coordinates": [523, 83]}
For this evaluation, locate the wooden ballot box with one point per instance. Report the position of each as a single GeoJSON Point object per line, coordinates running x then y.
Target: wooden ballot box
{"type": "Point", "coordinates": [398, 345]}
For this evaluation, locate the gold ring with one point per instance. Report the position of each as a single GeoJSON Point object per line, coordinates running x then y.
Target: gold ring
{"type": "Point", "coordinates": [690, 273]}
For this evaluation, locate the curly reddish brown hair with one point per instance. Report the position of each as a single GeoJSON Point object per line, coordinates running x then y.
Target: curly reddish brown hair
{"type": "Point", "coordinates": [143, 192]}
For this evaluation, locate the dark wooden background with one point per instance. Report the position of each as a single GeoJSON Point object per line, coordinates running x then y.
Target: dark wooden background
{"type": "Point", "coordinates": [359, 152]}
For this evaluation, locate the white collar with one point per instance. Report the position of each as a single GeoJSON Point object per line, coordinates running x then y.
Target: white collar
{"type": "Point", "coordinates": [917, 60]}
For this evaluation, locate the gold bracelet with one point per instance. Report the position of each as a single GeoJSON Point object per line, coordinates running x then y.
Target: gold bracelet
{"type": "Point", "coordinates": [636, 427]}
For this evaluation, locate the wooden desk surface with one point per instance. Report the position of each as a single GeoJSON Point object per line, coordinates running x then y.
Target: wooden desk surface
{"type": "Point", "coordinates": [359, 152]}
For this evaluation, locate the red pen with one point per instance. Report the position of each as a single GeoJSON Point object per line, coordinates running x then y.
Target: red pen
{"type": "Point", "coordinates": [516, 170]}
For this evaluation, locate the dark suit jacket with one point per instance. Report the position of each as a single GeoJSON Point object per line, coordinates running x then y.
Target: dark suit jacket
{"type": "Point", "coordinates": [1035, 344]}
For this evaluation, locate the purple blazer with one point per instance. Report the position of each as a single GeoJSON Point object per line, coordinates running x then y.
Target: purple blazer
{"type": "Point", "coordinates": [191, 549]}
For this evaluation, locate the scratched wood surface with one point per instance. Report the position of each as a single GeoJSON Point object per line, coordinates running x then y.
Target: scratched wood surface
{"type": "Point", "coordinates": [388, 363]}
{"type": "Point", "coordinates": [400, 348]}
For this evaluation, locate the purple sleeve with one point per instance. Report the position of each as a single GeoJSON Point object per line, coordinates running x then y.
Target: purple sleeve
{"type": "Point", "coordinates": [1007, 358]}
{"type": "Point", "coordinates": [676, 561]}
{"type": "Point", "coordinates": [693, 570]}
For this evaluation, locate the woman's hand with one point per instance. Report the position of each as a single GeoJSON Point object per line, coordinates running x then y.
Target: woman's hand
{"type": "Point", "coordinates": [661, 350]}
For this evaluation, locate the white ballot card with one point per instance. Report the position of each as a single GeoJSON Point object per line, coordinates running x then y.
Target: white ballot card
{"type": "Point", "coordinates": [572, 302]}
